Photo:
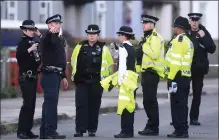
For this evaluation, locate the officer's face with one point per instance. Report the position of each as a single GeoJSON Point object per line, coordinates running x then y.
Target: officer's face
{"type": "Point", "coordinates": [175, 30]}
{"type": "Point", "coordinates": [121, 38]}
{"type": "Point", "coordinates": [92, 37]}
{"type": "Point", "coordinates": [29, 33]}
{"type": "Point", "coordinates": [147, 26]}
{"type": "Point", "coordinates": [194, 23]}
{"type": "Point", "coordinates": [56, 25]}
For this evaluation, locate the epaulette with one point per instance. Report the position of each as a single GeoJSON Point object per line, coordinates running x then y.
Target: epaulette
{"type": "Point", "coordinates": [82, 42]}
{"type": "Point", "coordinates": [101, 43]}
{"type": "Point", "coordinates": [154, 34]}
{"type": "Point", "coordinates": [180, 39]}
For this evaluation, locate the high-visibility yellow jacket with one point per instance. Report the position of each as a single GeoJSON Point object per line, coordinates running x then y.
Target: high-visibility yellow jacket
{"type": "Point", "coordinates": [126, 98]}
{"type": "Point", "coordinates": [106, 66]}
{"type": "Point", "coordinates": [179, 57]}
{"type": "Point", "coordinates": [153, 54]}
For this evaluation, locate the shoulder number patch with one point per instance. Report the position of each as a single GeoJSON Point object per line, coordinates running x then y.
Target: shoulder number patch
{"type": "Point", "coordinates": [180, 39]}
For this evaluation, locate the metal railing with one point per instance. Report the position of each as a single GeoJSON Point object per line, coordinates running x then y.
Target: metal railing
{"type": "Point", "coordinates": [15, 60]}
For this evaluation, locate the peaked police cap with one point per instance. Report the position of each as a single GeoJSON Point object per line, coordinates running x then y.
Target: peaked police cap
{"type": "Point", "coordinates": [28, 24]}
{"type": "Point", "coordinates": [92, 29]}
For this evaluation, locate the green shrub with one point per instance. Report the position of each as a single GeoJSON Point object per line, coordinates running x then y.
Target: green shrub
{"type": "Point", "coordinates": [10, 92]}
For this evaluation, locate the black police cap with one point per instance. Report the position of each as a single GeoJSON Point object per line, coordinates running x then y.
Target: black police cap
{"type": "Point", "coordinates": [92, 29]}
{"type": "Point", "coordinates": [149, 18]}
{"type": "Point", "coordinates": [181, 22]}
{"type": "Point", "coordinates": [28, 24]}
{"type": "Point", "coordinates": [55, 18]}
{"type": "Point", "coordinates": [126, 30]}
{"type": "Point", "coordinates": [195, 16]}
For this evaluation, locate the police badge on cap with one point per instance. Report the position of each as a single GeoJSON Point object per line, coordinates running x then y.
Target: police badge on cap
{"type": "Point", "coordinates": [92, 29]}
{"type": "Point", "coordinates": [28, 24]}
{"type": "Point", "coordinates": [55, 18]}
{"type": "Point", "coordinates": [148, 18]}
{"type": "Point", "coordinates": [195, 16]}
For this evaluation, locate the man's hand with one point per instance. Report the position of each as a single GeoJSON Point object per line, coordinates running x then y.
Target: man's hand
{"type": "Point", "coordinates": [33, 47]}
{"type": "Point", "coordinates": [37, 32]}
{"type": "Point", "coordinates": [54, 30]}
{"type": "Point", "coordinates": [201, 33]}
{"type": "Point", "coordinates": [65, 83]}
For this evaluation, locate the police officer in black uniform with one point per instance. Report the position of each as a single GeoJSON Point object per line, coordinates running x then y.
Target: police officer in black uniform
{"type": "Point", "coordinates": [28, 62]}
{"type": "Point", "coordinates": [52, 72]}
{"type": "Point", "coordinates": [203, 44]}
{"type": "Point", "coordinates": [125, 34]}
{"type": "Point", "coordinates": [87, 80]}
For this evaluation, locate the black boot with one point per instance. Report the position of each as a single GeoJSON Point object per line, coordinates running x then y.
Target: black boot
{"type": "Point", "coordinates": [78, 134]}
{"type": "Point", "coordinates": [22, 135]}
{"type": "Point", "coordinates": [31, 135]}
{"type": "Point", "coordinates": [178, 135]}
{"type": "Point", "coordinates": [194, 122]}
{"type": "Point", "coordinates": [148, 132]}
{"type": "Point", "coordinates": [124, 135]}
{"type": "Point", "coordinates": [91, 134]}
{"type": "Point", "coordinates": [55, 135]}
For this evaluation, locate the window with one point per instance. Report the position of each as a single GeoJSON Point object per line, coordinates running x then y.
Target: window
{"type": "Point", "coordinates": [11, 16]}
{"type": "Point", "coordinates": [42, 18]}
{"type": "Point", "coordinates": [11, 9]}
{"type": "Point", "coordinates": [45, 8]}
{"type": "Point", "coordinates": [12, 4]}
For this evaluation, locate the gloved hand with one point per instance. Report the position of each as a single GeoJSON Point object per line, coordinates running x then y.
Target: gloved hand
{"type": "Point", "coordinates": [171, 86]}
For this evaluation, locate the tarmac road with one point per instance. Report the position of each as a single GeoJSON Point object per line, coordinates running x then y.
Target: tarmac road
{"type": "Point", "coordinates": [109, 124]}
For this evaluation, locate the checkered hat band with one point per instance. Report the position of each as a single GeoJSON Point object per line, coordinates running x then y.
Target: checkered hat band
{"type": "Point", "coordinates": [148, 19]}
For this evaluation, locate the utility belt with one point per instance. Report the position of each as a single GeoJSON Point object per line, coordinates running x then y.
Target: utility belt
{"type": "Point", "coordinates": [89, 78]}
{"type": "Point", "coordinates": [53, 69]}
{"type": "Point", "coordinates": [150, 70]}
{"type": "Point", "coordinates": [27, 75]}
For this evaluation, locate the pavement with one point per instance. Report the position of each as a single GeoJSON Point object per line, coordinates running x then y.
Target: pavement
{"type": "Point", "coordinates": [109, 123]}
{"type": "Point", "coordinates": [66, 109]}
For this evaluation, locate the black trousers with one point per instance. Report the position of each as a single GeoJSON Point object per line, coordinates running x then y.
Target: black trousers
{"type": "Point", "coordinates": [150, 80]}
{"type": "Point", "coordinates": [28, 88]}
{"type": "Point", "coordinates": [127, 121]}
{"type": "Point", "coordinates": [87, 101]}
{"type": "Point", "coordinates": [179, 104]}
{"type": "Point", "coordinates": [197, 85]}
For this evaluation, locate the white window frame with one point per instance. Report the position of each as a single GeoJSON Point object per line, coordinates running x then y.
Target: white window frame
{"type": "Point", "coordinates": [44, 11]}
{"type": "Point", "coordinates": [12, 10]}
{"type": "Point", "coordinates": [202, 9]}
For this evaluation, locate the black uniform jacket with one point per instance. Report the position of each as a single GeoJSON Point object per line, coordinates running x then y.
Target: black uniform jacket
{"type": "Point", "coordinates": [26, 61]}
{"type": "Point", "coordinates": [52, 50]}
{"type": "Point", "coordinates": [202, 46]}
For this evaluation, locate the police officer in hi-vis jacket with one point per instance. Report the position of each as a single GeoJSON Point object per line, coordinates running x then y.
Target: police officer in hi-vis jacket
{"type": "Point", "coordinates": [91, 61]}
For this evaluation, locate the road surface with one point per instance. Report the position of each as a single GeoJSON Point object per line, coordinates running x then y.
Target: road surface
{"type": "Point", "coordinates": [109, 124]}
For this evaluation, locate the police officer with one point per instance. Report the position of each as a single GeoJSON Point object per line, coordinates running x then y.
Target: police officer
{"type": "Point", "coordinates": [28, 62]}
{"type": "Point", "coordinates": [151, 58]}
{"type": "Point", "coordinates": [178, 65]}
{"type": "Point", "coordinates": [52, 71]}
{"type": "Point", "coordinates": [203, 44]}
{"type": "Point", "coordinates": [127, 59]}
{"type": "Point", "coordinates": [90, 62]}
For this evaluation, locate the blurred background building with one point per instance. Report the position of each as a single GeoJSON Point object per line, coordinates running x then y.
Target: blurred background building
{"type": "Point", "coordinates": [109, 15]}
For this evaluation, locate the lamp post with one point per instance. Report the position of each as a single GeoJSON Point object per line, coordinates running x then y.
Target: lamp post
{"type": "Point", "coordinates": [29, 9]}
